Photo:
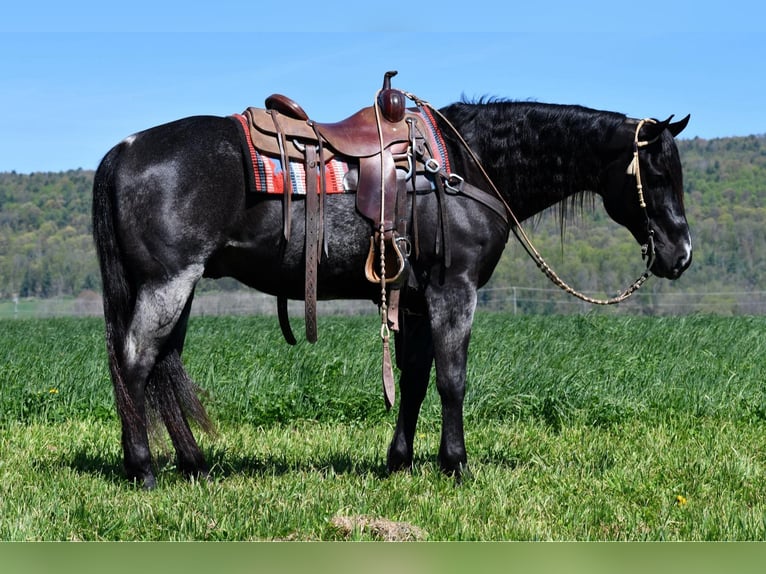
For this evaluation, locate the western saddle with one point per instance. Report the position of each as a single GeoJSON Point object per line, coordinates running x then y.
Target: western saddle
{"type": "Point", "coordinates": [383, 142]}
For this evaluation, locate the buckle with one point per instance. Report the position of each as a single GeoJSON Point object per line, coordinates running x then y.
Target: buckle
{"type": "Point", "coordinates": [404, 245]}
{"type": "Point", "coordinates": [432, 166]}
{"type": "Point", "coordinates": [454, 183]}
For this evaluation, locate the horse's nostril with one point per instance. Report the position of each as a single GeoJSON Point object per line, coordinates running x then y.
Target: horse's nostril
{"type": "Point", "coordinates": [682, 264]}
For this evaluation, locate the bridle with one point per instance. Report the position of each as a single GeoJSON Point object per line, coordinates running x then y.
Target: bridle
{"type": "Point", "coordinates": [648, 251]}
{"type": "Point", "coordinates": [634, 168]}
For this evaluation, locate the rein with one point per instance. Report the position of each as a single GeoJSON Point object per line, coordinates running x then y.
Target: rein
{"type": "Point", "coordinates": [385, 332]}
{"type": "Point", "coordinates": [647, 249]}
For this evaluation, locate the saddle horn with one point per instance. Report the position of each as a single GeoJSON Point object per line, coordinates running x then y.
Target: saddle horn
{"type": "Point", "coordinates": [391, 101]}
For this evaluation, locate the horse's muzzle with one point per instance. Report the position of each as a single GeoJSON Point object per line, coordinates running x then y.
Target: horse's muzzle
{"type": "Point", "coordinates": [672, 266]}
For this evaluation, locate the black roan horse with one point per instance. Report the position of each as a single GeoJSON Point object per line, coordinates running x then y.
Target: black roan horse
{"type": "Point", "coordinates": [170, 206]}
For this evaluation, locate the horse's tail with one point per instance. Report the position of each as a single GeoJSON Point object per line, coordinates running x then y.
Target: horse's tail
{"type": "Point", "coordinates": [170, 391]}
{"type": "Point", "coordinates": [118, 297]}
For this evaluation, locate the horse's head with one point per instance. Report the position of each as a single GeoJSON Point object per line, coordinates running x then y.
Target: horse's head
{"type": "Point", "coordinates": [647, 197]}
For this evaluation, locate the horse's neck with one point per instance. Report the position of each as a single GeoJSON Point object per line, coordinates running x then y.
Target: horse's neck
{"type": "Point", "coordinates": [538, 155]}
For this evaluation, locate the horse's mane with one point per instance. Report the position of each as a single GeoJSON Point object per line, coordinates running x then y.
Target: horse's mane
{"type": "Point", "coordinates": [547, 149]}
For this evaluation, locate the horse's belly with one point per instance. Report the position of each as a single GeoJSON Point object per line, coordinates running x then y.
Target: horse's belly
{"type": "Point", "coordinates": [338, 277]}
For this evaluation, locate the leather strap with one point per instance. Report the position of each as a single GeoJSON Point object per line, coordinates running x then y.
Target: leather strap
{"type": "Point", "coordinates": [284, 320]}
{"type": "Point", "coordinates": [322, 195]}
{"type": "Point", "coordinates": [312, 244]}
{"type": "Point", "coordinates": [442, 234]}
{"type": "Point", "coordinates": [481, 196]}
{"type": "Point", "coordinates": [389, 387]}
{"type": "Point", "coordinates": [393, 309]}
{"type": "Point", "coordinates": [287, 188]}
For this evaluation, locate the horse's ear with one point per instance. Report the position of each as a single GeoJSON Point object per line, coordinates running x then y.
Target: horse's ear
{"type": "Point", "coordinates": [651, 131]}
{"type": "Point", "coordinates": [677, 127]}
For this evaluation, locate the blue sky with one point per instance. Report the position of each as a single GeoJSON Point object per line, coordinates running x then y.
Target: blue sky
{"type": "Point", "coordinates": [77, 78]}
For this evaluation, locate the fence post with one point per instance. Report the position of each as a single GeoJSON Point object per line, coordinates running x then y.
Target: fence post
{"type": "Point", "coordinates": [514, 300]}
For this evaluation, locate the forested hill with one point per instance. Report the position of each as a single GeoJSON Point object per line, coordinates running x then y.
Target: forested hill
{"type": "Point", "coordinates": [46, 248]}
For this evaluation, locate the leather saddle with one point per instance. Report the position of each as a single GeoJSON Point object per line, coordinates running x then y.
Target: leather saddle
{"type": "Point", "coordinates": [378, 140]}
{"type": "Point", "coordinates": [275, 132]}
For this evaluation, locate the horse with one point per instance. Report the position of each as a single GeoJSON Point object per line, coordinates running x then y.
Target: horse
{"type": "Point", "coordinates": [171, 205]}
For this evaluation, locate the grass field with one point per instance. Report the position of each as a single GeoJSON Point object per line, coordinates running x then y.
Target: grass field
{"type": "Point", "coordinates": [578, 428]}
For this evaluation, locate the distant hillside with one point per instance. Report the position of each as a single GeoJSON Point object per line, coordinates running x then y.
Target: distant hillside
{"type": "Point", "coordinates": [45, 245]}
{"type": "Point", "coordinates": [46, 248]}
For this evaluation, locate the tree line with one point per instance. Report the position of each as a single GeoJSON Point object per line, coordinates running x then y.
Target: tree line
{"type": "Point", "coordinates": [46, 248]}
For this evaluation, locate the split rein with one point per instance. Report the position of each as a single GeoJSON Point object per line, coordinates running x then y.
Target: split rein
{"type": "Point", "coordinates": [647, 250]}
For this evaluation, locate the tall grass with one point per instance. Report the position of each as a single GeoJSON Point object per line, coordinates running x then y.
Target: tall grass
{"type": "Point", "coordinates": [601, 370]}
{"type": "Point", "coordinates": [578, 428]}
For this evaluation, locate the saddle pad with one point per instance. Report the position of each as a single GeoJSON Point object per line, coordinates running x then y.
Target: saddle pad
{"type": "Point", "coordinates": [265, 173]}
{"type": "Point", "coordinates": [435, 138]}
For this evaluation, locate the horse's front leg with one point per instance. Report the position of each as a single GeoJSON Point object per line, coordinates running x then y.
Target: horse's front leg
{"type": "Point", "coordinates": [451, 308]}
{"type": "Point", "coordinates": [414, 357]}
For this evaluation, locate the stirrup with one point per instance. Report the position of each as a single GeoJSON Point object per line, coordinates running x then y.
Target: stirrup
{"type": "Point", "coordinates": [396, 262]}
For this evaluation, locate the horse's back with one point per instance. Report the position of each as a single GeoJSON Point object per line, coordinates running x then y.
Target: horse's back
{"type": "Point", "coordinates": [199, 138]}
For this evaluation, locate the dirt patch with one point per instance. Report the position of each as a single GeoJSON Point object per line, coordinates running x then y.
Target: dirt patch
{"type": "Point", "coordinates": [378, 528]}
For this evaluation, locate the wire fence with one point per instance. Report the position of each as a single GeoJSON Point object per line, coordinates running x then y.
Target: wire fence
{"type": "Point", "coordinates": [536, 300]}
{"type": "Point", "coordinates": [513, 299]}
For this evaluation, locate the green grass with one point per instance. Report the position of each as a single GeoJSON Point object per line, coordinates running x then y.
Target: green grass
{"type": "Point", "coordinates": [578, 428]}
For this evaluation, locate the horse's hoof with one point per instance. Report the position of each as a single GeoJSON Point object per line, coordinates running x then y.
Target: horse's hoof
{"type": "Point", "coordinates": [194, 471]}
{"type": "Point", "coordinates": [200, 476]}
{"type": "Point", "coordinates": [397, 461]}
{"type": "Point", "coordinates": [462, 474]}
{"type": "Point", "coordinates": [148, 482]}
{"type": "Point", "coordinates": [457, 469]}
{"type": "Point", "coordinates": [399, 467]}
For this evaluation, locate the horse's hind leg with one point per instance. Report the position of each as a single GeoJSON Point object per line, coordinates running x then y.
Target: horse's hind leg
{"type": "Point", "coordinates": [157, 310]}
{"type": "Point", "coordinates": [171, 393]}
